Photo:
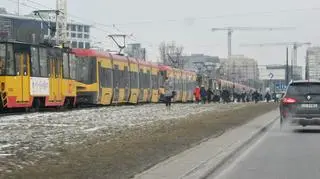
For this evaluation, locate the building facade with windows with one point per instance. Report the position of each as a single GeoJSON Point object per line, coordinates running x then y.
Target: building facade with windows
{"type": "Point", "coordinates": [313, 63]}
{"type": "Point", "coordinates": [32, 29]}
{"type": "Point", "coordinates": [78, 35]}
{"type": "Point", "coordinates": [135, 51]}
{"type": "Point", "coordinates": [240, 68]}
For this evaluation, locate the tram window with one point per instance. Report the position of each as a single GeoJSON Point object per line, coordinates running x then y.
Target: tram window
{"type": "Point", "coordinates": [58, 68]}
{"type": "Point", "coordinates": [155, 82]}
{"type": "Point", "coordinates": [141, 82]}
{"type": "Point", "coordinates": [187, 85]}
{"type": "Point", "coordinates": [148, 79]}
{"type": "Point", "coordinates": [86, 70]}
{"type": "Point", "coordinates": [35, 68]}
{"type": "Point", "coordinates": [126, 76]}
{"type": "Point", "coordinates": [177, 84]}
{"type": "Point", "coordinates": [58, 62]}
{"type": "Point", "coordinates": [73, 66]}
{"type": "Point", "coordinates": [103, 76]}
{"type": "Point", "coordinates": [120, 79]}
{"type": "Point", "coordinates": [2, 58]}
{"type": "Point", "coordinates": [43, 62]}
{"type": "Point", "coordinates": [184, 84]}
{"type": "Point", "coordinates": [134, 79]}
{"type": "Point", "coordinates": [109, 78]}
{"type": "Point", "coordinates": [160, 79]}
{"type": "Point", "coordinates": [10, 60]}
{"type": "Point", "coordinates": [17, 59]}
{"type": "Point", "coordinates": [65, 63]}
{"type": "Point", "coordinates": [25, 64]}
{"type": "Point", "coordinates": [116, 76]}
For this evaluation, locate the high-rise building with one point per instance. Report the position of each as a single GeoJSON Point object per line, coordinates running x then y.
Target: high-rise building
{"type": "Point", "coordinates": [32, 29]}
{"type": "Point", "coordinates": [313, 63]}
{"type": "Point", "coordinates": [240, 68]}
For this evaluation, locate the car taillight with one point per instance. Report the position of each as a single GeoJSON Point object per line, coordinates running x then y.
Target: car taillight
{"type": "Point", "coordinates": [288, 100]}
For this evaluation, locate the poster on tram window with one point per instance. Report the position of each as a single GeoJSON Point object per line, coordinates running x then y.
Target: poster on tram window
{"type": "Point", "coordinates": [39, 86]}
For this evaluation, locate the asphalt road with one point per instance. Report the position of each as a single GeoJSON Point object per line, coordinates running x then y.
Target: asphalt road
{"type": "Point", "coordinates": [290, 153]}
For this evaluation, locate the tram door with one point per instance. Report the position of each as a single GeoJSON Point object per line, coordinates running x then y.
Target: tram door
{"type": "Point", "coordinates": [22, 62]}
{"type": "Point", "coordinates": [52, 85]}
{"type": "Point", "coordinates": [58, 78]}
{"type": "Point", "coordinates": [55, 78]}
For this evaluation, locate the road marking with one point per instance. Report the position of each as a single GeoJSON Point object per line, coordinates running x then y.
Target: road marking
{"type": "Point", "coordinates": [244, 154]}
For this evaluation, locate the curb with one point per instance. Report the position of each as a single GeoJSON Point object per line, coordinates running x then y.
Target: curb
{"type": "Point", "coordinates": [237, 150]}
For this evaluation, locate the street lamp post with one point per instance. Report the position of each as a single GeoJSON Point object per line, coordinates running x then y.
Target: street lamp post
{"type": "Point", "coordinates": [233, 85]}
{"type": "Point", "coordinates": [270, 76]}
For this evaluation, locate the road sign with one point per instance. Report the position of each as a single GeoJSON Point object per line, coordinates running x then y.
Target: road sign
{"type": "Point", "coordinates": [281, 86]}
{"type": "Point", "coordinates": [270, 75]}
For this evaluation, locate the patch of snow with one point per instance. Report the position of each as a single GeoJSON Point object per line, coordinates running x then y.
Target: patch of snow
{"type": "Point", "coordinates": [32, 134]}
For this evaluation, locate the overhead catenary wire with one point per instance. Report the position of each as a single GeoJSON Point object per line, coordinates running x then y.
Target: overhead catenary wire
{"type": "Point", "coordinates": [113, 25]}
{"type": "Point", "coordinates": [102, 27]}
{"type": "Point", "coordinates": [95, 23]}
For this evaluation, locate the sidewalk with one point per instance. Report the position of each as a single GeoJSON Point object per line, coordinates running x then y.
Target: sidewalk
{"type": "Point", "coordinates": [198, 161]}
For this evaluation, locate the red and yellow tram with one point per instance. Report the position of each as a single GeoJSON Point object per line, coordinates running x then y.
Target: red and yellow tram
{"type": "Point", "coordinates": [34, 76]}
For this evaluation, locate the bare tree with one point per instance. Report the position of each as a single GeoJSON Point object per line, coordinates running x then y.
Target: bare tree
{"type": "Point", "coordinates": [171, 54]}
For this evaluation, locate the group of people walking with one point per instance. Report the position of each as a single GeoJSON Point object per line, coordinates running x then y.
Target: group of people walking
{"type": "Point", "coordinates": [206, 96]}
{"type": "Point", "coordinates": [203, 95]}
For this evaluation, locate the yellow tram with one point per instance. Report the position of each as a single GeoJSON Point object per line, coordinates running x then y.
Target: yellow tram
{"type": "Point", "coordinates": [104, 78]}
{"type": "Point", "coordinates": [184, 83]}
{"type": "Point", "coordinates": [34, 76]}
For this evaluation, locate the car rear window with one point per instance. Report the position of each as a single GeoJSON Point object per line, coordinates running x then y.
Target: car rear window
{"type": "Point", "coordinates": [303, 88]}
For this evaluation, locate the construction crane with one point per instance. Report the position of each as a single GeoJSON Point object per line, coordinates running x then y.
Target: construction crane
{"type": "Point", "coordinates": [295, 46]}
{"type": "Point", "coordinates": [230, 30]}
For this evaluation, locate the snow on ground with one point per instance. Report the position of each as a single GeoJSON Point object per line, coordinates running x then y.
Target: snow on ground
{"type": "Point", "coordinates": [30, 134]}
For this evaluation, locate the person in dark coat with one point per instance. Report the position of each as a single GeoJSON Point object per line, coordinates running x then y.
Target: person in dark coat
{"type": "Point", "coordinates": [268, 96]}
{"type": "Point", "coordinates": [255, 96]}
{"type": "Point", "coordinates": [209, 95]}
{"type": "Point", "coordinates": [203, 94]}
{"type": "Point", "coordinates": [225, 96]}
{"type": "Point", "coordinates": [169, 92]}
{"type": "Point", "coordinates": [216, 96]}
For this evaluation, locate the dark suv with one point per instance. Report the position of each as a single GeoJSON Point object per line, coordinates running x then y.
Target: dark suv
{"type": "Point", "coordinates": [301, 103]}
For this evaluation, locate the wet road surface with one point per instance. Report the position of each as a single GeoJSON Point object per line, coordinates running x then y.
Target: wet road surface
{"type": "Point", "coordinates": [289, 153]}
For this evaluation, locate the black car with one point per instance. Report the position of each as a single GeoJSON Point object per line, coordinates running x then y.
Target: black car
{"type": "Point", "coordinates": [301, 103]}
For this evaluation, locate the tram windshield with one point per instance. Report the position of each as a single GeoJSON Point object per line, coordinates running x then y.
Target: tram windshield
{"type": "Point", "coordinates": [2, 59]}
{"type": "Point", "coordinates": [86, 70]}
{"type": "Point", "coordinates": [6, 59]}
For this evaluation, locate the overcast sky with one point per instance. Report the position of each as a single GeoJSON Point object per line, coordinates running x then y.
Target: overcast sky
{"type": "Point", "coordinates": [191, 21]}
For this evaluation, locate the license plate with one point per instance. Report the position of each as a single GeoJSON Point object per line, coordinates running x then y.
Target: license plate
{"type": "Point", "coordinates": [309, 105]}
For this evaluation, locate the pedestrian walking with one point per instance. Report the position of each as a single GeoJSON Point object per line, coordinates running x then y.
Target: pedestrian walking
{"type": "Point", "coordinates": [268, 97]}
{"type": "Point", "coordinates": [225, 95]}
{"type": "Point", "coordinates": [255, 96]}
{"type": "Point", "coordinates": [203, 94]}
{"type": "Point", "coordinates": [196, 94]}
{"type": "Point", "coordinates": [169, 92]}
{"type": "Point", "coordinates": [209, 95]}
